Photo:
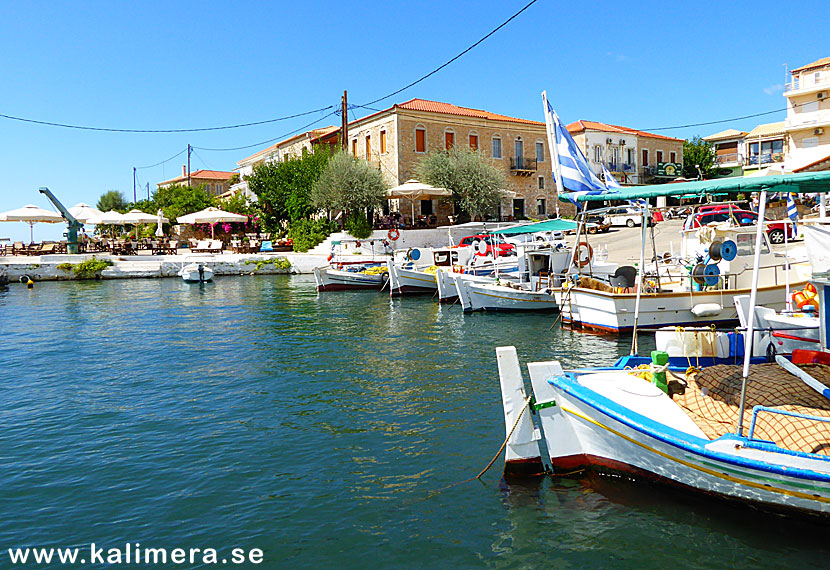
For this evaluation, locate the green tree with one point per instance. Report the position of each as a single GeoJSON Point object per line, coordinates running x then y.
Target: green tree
{"type": "Point", "coordinates": [178, 200]}
{"type": "Point", "coordinates": [698, 153]}
{"type": "Point", "coordinates": [475, 182]}
{"type": "Point", "coordinates": [283, 189]}
{"type": "Point", "coordinates": [111, 200]}
{"type": "Point", "coordinates": [349, 184]}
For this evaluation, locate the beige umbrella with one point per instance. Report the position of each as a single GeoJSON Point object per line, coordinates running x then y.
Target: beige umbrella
{"type": "Point", "coordinates": [83, 212]}
{"type": "Point", "coordinates": [111, 218]}
{"type": "Point", "coordinates": [137, 217]}
{"type": "Point", "coordinates": [210, 216]}
{"type": "Point", "coordinates": [31, 214]}
{"type": "Point", "coordinates": [414, 190]}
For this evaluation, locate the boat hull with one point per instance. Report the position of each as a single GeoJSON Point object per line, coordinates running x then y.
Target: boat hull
{"type": "Point", "coordinates": [190, 273]}
{"type": "Point", "coordinates": [604, 436]}
{"type": "Point", "coordinates": [607, 312]}
{"type": "Point", "coordinates": [403, 281]}
{"type": "Point", "coordinates": [490, 297]}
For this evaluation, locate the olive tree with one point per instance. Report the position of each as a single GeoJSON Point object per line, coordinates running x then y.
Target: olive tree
{"type": "Point", "coordinates": [475, 182]}
{"type": "Point", "coordinates": [348, 184]}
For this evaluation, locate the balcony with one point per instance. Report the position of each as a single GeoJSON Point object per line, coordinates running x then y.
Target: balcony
{"type": "Point", "coordinates": [766, 158]}
{"type": "Point", "coordinates": [725, 159]}
{"type": "Point", "coordinates": [620, 167]}
{"type": "Point", "coordinates": [523, 166]}
{"type": "Point", "coordinates": [814, 119]}
{"type": "Point", "coordinates": [808, 84]}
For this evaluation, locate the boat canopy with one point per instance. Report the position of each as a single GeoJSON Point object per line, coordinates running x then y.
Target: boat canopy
{"type": "Point", "coordinates": [556, 225]}
{"type": "Point", "coordinates": [802, 183]}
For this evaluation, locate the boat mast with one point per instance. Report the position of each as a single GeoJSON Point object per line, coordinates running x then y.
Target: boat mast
{"type": "Point", "coordinates": [640, 274]}
{"type": "Point", "coordinates": [750, 321]}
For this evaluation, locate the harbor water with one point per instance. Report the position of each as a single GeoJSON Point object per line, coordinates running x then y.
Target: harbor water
{"type": "Point", "coordinates": [328, 431]}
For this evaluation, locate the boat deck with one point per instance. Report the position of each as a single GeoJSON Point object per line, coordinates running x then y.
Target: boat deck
{"type": "Point", "coordinates": [712, 399]}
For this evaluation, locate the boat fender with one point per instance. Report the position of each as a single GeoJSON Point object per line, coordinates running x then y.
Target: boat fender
{"type": "Point", "coordinates": [707, 310]}
{"type": "Point", "coordinates": [27, 280]}
{"type": "Point", "coordinates": [393, 234]}
{"type": "Point", "coordinates": [330, 257]}
{"type": "Point", "coordinates": [584, 254]}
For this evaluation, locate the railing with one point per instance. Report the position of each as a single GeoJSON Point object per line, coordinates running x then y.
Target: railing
{"type": "Point", "coordinates": [724, 158]}
{"type": "Point", "coordinates": [766, 158]}
{"type": "Point", "coordinates": [523, 164]}
{"type": "Point", "coordinates": [757, 409]}
{"type": "Point", "coordinates": [807, 83]}
{"type": "Point", "coordinates": [622, 167]}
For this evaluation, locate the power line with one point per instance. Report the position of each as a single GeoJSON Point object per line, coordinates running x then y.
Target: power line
{"type": "Point", "coordinates": [439, 68]}
{"type": "Point", "coordinates": [157, 131]}
{"type": "Point", "coordinates": [315, 121]}
{"type": "Point", "coordinates": [716, 122]}
{"type": "Point", "coordinates": [163, 161]}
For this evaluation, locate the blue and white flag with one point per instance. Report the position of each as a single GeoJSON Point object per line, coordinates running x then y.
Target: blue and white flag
{"type": "Point", "coordinates": [610, 181]}
{"type": "Point", "coordinates": [792, 212]}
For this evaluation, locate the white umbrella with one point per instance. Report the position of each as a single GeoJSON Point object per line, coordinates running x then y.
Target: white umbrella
{"type": "Point", "coordinates": [83, 212]}
{"type": "Point", "coordinates": [31, 214]}
{"type": "Point", "coordinates": [137, 217]}
{"type": "Point", "coordinates": [211, 216]}
{"type": "Point", "coordinates": [111, 218]}
{"type": "Point", "coordinates": [159, 222]}
{"type": "Point", "coordinates": [414, 190]}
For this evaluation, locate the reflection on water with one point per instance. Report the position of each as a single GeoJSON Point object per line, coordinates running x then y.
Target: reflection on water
{"type": "Point", "coordinates": [254, 412]}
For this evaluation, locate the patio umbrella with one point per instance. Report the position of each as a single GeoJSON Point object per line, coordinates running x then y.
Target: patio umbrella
{"type": "Point", "coordinates": [111, 218]}
{"type": "Point", "coordinates": [137, 217]}
{"type": "Point", "coordinates": [414, 190]}
{"type": "Point", "coordinates": [83, 212]}
{"type": "Point", "coordinates": [31, 214]}
{"type": "Point", "coordinates": [211, 216]}
{"type": "Point", "coordinates": [159, 222]}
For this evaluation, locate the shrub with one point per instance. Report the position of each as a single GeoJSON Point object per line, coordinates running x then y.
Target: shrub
{"type": "Point", "coordinates": [358, 226]}
{"type": "Point", "coordinates": [91, 268]}
{"type": "Point", "coordinates": [308, 233]}
{"type": "Point", "coordinates": [65, 267]}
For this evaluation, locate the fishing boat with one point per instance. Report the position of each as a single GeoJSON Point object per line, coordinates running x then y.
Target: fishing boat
{"type": "Point", "coordinates": [412, 271]}
{"type": "Point", "coordinates": [197, 271]}
{"type": "Point", "coordinates": [686, 426]}
{"type": "Point", "coordinates": [343, 276]}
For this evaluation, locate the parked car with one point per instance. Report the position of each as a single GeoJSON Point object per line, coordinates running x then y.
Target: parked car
{"type": "Point", "coordinates": [597, 222]}
{"type": "Point", "coordinates": [626, 216]}
{"type": "Point", "coordinates": [495, 245]}
{"type": "Point", "coordinates": [775, 230]}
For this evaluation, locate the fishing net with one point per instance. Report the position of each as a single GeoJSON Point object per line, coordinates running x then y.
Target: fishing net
{"type": "Point", "coordinates": [712, 399]}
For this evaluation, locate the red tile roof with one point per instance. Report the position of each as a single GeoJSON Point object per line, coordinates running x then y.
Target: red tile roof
{"type": "Point", "coordinates": [202, 175]}
{"type": "Point", "coordinates": [449, 109]}
{"type": "Point", "coordinates": [314, 135]}
{"type": "Point", "coordinates": [818, 63]}
{"type": "Point", "coordinates": [579, 126]}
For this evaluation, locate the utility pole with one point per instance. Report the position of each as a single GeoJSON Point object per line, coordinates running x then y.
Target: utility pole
{"type": "Point", "coordinates": [134, 200]}
{"type": "Point", "coordinates": [344, 117]}
{"type": "Point", "coordinates": [148, 190]}
{"type": "Point", "coordinates": [188, 164]}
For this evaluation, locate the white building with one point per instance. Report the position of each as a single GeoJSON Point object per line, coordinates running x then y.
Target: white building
{"type": "Point", "coordinates": [808, 117]}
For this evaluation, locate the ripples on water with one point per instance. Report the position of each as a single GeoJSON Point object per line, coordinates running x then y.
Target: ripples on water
{"type": "Point", "coordinates": [252, 412]}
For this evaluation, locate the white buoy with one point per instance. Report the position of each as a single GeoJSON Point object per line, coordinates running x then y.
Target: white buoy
{"type": "Point", "coordinates": [522, 455]}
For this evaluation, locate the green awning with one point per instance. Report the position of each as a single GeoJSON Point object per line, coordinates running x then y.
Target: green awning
{"type": "Point", "coordinates": [802, 183]}
{"type": "Point", "coordinates": [556, 225]}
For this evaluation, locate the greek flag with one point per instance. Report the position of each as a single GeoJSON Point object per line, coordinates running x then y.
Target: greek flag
{"type": "Point", "coordinates": [610, 181]}
{"type": "Point", "coordinates": [792, 212]}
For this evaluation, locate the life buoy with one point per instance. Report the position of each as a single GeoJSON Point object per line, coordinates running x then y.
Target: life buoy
{"type": "Point", "coordinates": [578, 257]}
{"type": "Point", "coordinates": [393, 234]}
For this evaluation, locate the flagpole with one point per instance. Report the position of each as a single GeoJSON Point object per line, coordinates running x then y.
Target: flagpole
{"type": "Point", "coordinates": [554, 150]}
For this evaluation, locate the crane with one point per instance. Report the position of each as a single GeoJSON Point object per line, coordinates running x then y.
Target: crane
{"type": "Point", "coordinates": [72, 224]}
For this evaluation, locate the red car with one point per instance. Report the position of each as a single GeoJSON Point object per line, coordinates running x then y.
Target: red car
{"type": "Point", "coordinates": [726, 212]}
{"type": "Point", "coordinates": [494, 244]}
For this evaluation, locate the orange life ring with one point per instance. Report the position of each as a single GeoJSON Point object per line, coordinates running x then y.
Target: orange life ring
{"type": "Point", "coordinates": [578, 261]}
{"type": "Point", "coordinates": [393, 234]}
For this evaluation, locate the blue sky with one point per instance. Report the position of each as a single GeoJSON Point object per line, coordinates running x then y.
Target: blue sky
{"type": "Point", "coordinates": [179, 65]}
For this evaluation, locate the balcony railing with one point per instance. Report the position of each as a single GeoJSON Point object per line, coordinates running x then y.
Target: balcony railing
{"type": "Point", "coordinates": [766, 158]}
{"type": "Point", "coordinates": [526, 164]}
{"type": "Point", "coordinates": [808, 82]}
{"type": "Point", "coordinates": [620, 167]}
{"type": "Point", "coordinates": [727, 158]}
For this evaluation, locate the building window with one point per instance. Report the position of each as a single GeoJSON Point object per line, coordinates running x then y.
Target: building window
{"type": "Point", "coordinates": [659, 156]}
{"type": "Point", "coordinates": [496, 147]}
{"type": "Point", "coordinates": [473, 142]}
{"type": "Point", "coordinates": [632, 156]}
{"type": "Point", "coordinates": [420, 140]}
{"type": "Point", "coordinates": [541, 183]}
{"type": "Point", "coordinates": [426, 208]}
{"type": "Point", "coordinates": [540, 152]}
{"type": "Point", "coordinates": [597, 154]}
{"type": "Point", "coordinates": [672, 157]}
{"type": "Point", "coordinates": [645, 157]}
{"type": "Point", "coordinates": [383, 142]}
{"type": "Point", "coordinates": [354, 147]}
{"type": "Point", "coordinates": [449, 139]}
{"type": "Point", "coordinates": [518, 209]}
{"type": "Point", "coordinates": [540, 205]}
{"type": "Point", "coordinates": [368, 147]}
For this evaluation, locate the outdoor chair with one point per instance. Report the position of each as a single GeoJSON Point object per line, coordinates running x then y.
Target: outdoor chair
{"type": "Point", "coordinates": [34, 249]}
{"type": "Point", "coordinates": [18, 248]}
{"type": "Point", "coordinates": [48, 248]}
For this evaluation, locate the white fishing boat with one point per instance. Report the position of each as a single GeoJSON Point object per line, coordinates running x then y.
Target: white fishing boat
{"type": "Point", "coordinates": [682, 425]}
{"type": "Point", "coordinates": [413, 271]}
{"type": "Point", "coordinates": [197, 271]}
{"type": "Point", "coordinates": [345, 276]}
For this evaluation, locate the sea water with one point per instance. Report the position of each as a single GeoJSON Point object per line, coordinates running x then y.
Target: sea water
{"type": "Point", "coordinates": [326, 431]}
